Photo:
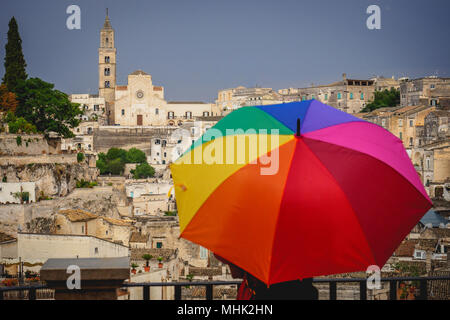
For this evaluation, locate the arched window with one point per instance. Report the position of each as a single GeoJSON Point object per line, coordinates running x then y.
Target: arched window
{"type": "Point", "coordinates": [188, 115]}
{"type": "Point", "coordinates": [107, 71]}
{"type": "Point", "coordinates": [107, 84]}
{"type": "Point", "coordinates": [106, 59]}
{"type": "Point", "coordinates": [123, 112]}
{"type": "Point", "coordinates": [156, 111]}
{"type": "Point", "coordinates": [170, 115]}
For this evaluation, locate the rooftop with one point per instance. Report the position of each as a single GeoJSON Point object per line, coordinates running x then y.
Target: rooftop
{"type": "Point", "coordinates": [78, 215]}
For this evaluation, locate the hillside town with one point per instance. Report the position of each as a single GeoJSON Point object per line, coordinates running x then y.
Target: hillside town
{"type": "Point", "coordinates": [106, 190]}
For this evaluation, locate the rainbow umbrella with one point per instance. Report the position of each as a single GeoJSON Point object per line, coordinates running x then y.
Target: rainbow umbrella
{"type": "Point", "coordinates": [305, 190]}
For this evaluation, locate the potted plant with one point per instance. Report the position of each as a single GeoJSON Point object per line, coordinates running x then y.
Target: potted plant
{"type": "Point", "coordinates": [160, 265]}
{"type": "Point", "coordinates": [133, 268]}
{"type": "Point", "coordinates": [189, 277]}
{"type": "Point", "coordinates": [147, 258]}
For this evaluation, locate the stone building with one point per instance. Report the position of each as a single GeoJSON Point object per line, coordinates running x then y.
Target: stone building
{"type": "Point", "coordinates": [234, 98]}
{"type": "Point", "coordinates": [93, 106]}
{"type": "Point", "coordinates": [81, 222]}
{"type": "Point", "coordinates": [348, 95]}
{"type": "Point", "coordinates": [428, 91]}
{"type": "Point", "coordinates": [139, 102]}
{"type": "Point", "coordinates": [34, 249]}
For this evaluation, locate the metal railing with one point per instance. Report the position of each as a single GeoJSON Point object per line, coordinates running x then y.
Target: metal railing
{"type": "Point", "coordinates": [209, 285]}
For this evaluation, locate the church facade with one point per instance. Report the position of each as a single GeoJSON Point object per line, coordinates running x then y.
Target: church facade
{"type": "Point", "coordinates": [139, 102]}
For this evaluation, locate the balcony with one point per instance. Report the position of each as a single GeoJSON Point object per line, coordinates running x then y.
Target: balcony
{"type": "Point", "coordinates": [431, 287]}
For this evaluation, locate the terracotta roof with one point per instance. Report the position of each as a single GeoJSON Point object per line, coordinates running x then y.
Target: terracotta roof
{"type": "Point", "coordinates": [122, 88]}
{"type": "Point", "coordinates": [155, 88]}
{"type": "Point", "coordinates": [117, 222]}
{"type": "Point", "coordinates": [205, 271]}
{"type": "Point", "coordinates": [138, 237]}
{"type": "Point", "coordinates": [441, 232]}
{"type": "Point", "coordinates": [139, 72]}
{"type": "Point", "coordinates": [405, 249]}
{"type": "Point", "coordinates": [5, 237]}
{"type": "Point", "coordinates": [167, 254]}
{"type": "Point", "coordinates": [78, 215]}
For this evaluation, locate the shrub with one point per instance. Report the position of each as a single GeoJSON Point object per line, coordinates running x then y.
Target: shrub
{"type": "Point", "coordinates": [80, 157]}
{"type": "Point", "coordinates": [19, 140]}
{"type": "Point", "coordinates": [144, 170]}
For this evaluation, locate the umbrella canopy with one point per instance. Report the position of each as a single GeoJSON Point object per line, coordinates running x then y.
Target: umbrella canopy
{"type": "Point", "coordinates": [314, 191]}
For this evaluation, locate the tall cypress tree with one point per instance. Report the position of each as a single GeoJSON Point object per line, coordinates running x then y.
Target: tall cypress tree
{"type": "Point", "coordinates": [14, 61]}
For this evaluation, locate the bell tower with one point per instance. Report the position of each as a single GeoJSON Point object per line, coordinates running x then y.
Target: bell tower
{"type": "Point", "coordinates": [107, 68]}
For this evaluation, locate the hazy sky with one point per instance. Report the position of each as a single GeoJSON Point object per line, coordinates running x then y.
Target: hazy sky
{"type": "Point", "coordinates": [196, 47]}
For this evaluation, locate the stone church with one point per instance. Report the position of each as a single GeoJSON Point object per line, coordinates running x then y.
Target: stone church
{"type": "Point", "coordinates": [139, 103]}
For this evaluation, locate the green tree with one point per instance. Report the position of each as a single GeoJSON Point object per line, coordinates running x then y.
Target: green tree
{"type": "Point", "coordinates": [14, 60]}
{"type": "Point", "coordinates": [143, 170]}
{"type": "Point", "coordinates": [20, 125]}
{"type": "Point", "coordinates": [102, 166]}
{"type": "Point", "coordinates": [382, 99]}
{"type": "Point", "coordinates": [116, 153]}
{"type": "Point", "coordinates": [116, 167]}
{"type": "Point", "coordinates": [48, 109]}
{"type": "Point", "coordinates": [135, 155]}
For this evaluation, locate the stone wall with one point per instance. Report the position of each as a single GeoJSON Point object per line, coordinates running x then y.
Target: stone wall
{"type": "Point", "coordinates": [26, 144]}
{"type": "Point", "coordinates": [51, 179]}
{"type": "Point", "coordinates": [114, 136]}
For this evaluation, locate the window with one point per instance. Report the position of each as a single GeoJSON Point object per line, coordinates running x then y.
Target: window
{"type": "Point", "coordinates": [106, 40]}
{"type": "Point", "coordinates": [203, 253]}
{"type": "Point", "coordinates": [123, 112]}
{"type": "Point", "coordinates": [313, 97]}
{"type": "Point", "coordinates": [107, 71]}
{"type": "Point", "coordinates": [170, 115]}
{"type": "Point", "coordinates": [326, 96]}
{"type": "Point", "coordinates": [401, 136]}
{"type": "Point", "coordinates": [432, 86]}
{"type": "Point", "coordinates": [410, 141]}
{"type": "Point", "coordinates": [188, 115]}
{"type": "Point", "coordinates": [106, 59]}
{"type": "Point", "coordinates": [362, 96]}
{"type": "Point", "coordinates": [96, 107]}
{"type": "Point", "coordinates": [165, 154]}
{"type": "Point", "coordinates": [351, 95]}
{"type": "Point", "coordinates": [106, 232]}
{"type": "Point", "coordinates": [304, 98]}
{"type": "Point", "coordinates": [339, 95]}
{"type": "Point", "coordinates": [428, 163]}
{"type": "Point", "coordinates": [156, 111]}
{"type": "Point", "coordinates": [96, 250]}
{"type": "Point", "coordinates": [164, 162]}
{"type": "Point", "coordinates": [107, 84]}
{"type": "Point", "coordinates": [163, 143]}
{"type": "Point", "coordinates": [131, 194]}
{"type": "Point", "coordinates": [411, 123]}
{"type": "Point", "coordinates": [205, 113]}
{"type": "Point", "coordinates": [157, 141]}
{"type": "Point", "coordinates": [400, 122]}
{"type": "Point", "coordinates": [159, 245]}
{"type": "Point", "coordinates": [383, 122]}
{"type": "Point", "coordinates": [82, 229]}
